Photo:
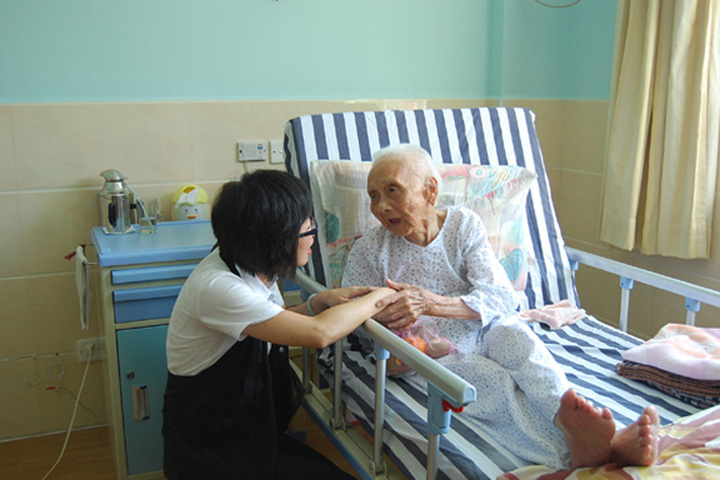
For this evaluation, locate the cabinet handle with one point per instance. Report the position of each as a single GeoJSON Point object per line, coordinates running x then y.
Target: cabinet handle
{"type": "Point", "coordinates": [141, 406]}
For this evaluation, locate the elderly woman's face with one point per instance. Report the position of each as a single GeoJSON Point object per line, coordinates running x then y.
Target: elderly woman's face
{"type": "Point", "coordinates": [397, 196]}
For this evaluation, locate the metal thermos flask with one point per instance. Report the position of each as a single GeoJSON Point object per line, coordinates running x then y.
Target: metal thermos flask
{"type": "Point", "coordinates": [115, 204]}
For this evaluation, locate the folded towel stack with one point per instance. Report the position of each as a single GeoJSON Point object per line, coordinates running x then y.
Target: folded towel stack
{"type": "Point", "coordinates": [700, 393]}
{"type": "Point", "coordinates": [681, 360]}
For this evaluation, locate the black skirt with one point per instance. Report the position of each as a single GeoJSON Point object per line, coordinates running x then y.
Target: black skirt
{"type": "Point", "coordinates": [224, 423]}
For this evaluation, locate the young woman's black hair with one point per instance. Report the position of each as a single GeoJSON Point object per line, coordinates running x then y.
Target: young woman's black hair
{"type": "Point", "coordinates": [257, 220]}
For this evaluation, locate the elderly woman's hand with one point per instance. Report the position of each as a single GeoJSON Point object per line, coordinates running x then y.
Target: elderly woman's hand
{"type": "Point", "coordinates": [404, 307]}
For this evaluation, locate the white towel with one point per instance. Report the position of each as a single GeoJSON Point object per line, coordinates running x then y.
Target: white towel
{"type": "Point", "coordinates": [82, 281]}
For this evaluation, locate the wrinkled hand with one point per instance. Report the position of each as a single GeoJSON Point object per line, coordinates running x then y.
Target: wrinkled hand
{"type": "Point", "coordinates": [403, 308]}
{"type": "Point", "coordinates": [336, 296]}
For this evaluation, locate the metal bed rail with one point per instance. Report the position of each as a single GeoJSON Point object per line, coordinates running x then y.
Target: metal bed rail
{"type": "Point", "coordinates": [447, 392]}
{"type": "Point", "coordinates": [695, 295]}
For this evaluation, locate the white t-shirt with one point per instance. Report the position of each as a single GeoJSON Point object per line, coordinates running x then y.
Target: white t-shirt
{"type": "Point", "coordinates": [211, 313]}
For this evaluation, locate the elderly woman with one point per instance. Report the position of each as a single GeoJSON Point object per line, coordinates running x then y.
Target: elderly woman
{"type": "Point", "coordinates": [442, 267]}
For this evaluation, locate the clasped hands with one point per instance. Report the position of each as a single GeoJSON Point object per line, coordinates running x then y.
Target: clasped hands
{"type": "Point", "coordinates": [400, 310]}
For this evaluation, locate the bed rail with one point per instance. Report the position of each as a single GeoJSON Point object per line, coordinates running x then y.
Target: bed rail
{"type": "Point", "coordinates": [447, 392]}
{"type": "Point", "coordinates": [694, 295]}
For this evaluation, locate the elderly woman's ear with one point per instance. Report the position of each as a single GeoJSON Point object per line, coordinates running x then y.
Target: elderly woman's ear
{"type": "Point", "coordinates": [431, 190]}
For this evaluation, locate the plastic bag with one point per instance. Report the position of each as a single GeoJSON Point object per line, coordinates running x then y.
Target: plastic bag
{"type": "Point", "coordinates": [424, 335]}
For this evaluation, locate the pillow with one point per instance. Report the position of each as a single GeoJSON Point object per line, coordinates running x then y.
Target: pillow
{"type": "Point", "coordinates": [496, 193]}
{"type": "Point", "coordinates": [343, 211]}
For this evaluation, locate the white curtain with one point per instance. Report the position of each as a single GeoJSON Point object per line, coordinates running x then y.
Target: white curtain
{"type": "Point", "coordinates": [662, 154]}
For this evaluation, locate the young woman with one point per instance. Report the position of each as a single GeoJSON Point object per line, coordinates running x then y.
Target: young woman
{"type": "Point", "coordinates": [230, 393]}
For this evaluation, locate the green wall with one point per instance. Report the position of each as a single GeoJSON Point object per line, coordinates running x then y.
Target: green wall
{"type": "Point", "coordinates": [140, 50]}
{"type": "Point", "coordinates": [557, 52]}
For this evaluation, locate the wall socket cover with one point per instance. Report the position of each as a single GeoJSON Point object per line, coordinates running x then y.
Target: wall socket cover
{"type": "Point", "coordinates": [252, 151]}
{"type": "Point", "coordinates": [99, 349]}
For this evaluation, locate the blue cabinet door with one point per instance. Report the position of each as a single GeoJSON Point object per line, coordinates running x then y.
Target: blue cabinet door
{"type": "Point", "coordinates": [143, 375]}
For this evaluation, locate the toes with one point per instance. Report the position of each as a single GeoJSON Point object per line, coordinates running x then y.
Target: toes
{"type": "Point", "coordinates": [652, 415]}
{"type": "Point", "coordinates": [570, 400]}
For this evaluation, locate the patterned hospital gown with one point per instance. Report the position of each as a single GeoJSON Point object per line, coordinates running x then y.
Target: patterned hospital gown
{"type": "Point", "coordinates": [519, 384]}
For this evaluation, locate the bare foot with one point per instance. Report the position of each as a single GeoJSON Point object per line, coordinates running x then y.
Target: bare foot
{"type": "Point", "coordinates": [637, 443]}
{"type": "Point", "coordinates": [588, 430]}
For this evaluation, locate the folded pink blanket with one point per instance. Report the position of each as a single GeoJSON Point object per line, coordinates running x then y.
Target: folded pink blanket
{"type": "Point", "coordinates": [685, 350]}
{"type": "Point", "coordinates": [554, 316]}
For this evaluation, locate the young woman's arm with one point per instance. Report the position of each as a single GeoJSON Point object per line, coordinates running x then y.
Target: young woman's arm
{"type": "Point", "coordinates": [329, 298]}
{"type": "Point", "coordinates": [328, 326]}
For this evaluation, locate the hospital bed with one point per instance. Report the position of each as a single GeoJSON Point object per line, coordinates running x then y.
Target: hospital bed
{"type": "Point", "coordinates": [425, 435]}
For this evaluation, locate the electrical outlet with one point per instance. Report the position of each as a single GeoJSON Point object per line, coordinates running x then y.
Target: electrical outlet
{"type": "Point", "coordinates": [277, 152]}
{"type": "Point", "coordinates": [99, 352]}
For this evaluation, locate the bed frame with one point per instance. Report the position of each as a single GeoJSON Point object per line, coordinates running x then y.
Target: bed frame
{"type": "Point", "coordinates": [487, 136]}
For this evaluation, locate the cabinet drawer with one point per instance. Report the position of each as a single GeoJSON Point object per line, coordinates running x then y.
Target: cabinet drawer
{"type": "Point", "coordinates": [151, 274]}
{"type": "Point", "coordinates": [144, 303]}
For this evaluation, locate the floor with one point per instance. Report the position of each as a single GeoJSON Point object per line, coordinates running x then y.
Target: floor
{"type": "Point", "coordinates": [89, 455]}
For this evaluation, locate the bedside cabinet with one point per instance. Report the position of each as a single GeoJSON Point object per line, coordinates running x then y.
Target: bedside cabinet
{"type": "Point", "coordinates": [140, 277]}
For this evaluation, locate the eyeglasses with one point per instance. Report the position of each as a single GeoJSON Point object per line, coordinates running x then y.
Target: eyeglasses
{"type": "Point", "coordinates": [313, 229]}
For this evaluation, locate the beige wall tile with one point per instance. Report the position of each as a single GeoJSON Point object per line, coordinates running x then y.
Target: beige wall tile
{"type": "Point", "coordinates": [54, 314]}
{"type": "Point", "coordinates": [555, 178]}
{"type": "Point", "coordinates": [584, 132]}
{"type": "Point", "coordinates": [665, 308]}
{"type": "Point", "coordinates": [599, 294]}
{"type": "Point", "coordinates": [8, 173]}
{"type": "Point", "coordinates": [217, 127]}
{"type": "Point", "coordinates": [708, 317]}
{"type": "Point", "coordinates": [68, 145]}
{"type": "Point", "coordinates": [13, 260]}
{"type": "Point", "coordinates": [577, 204]}
{"type": "Point", "coordinates": [53, 224]}
{"type": "Point", "coordinates": [642, 315]}
{"type": "Point", "coordinates": [19, 412]}
{"type": "Point", "coordinates": [15, 326]}
{"type": "Point", "coordinates": [55, 406]}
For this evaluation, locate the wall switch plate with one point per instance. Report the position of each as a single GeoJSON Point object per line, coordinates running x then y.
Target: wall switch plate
{"type": "Point", "coordinates": [99, 351]}
{"type": "Point", "coordinates": [277, 152]}
{"type": "Point", "coordinates": [251, 152]}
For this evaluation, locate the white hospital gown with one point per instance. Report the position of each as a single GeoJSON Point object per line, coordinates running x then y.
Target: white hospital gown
{"type": "Point", "coordinates": [519, 384]}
